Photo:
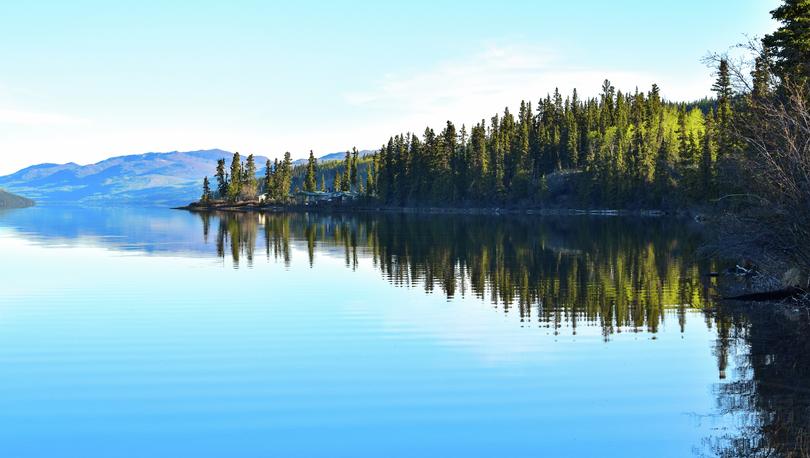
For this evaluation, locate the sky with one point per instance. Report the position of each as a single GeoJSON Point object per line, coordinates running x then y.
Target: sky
{"type": "Point", "coordinates": [82, 81]}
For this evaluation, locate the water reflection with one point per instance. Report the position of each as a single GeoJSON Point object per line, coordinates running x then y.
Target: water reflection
{"type": "Point", "coordinates": [615, 273]}
{"type": "Point", "coordinates": [769, 393]}
{"type": "Point", "coordinates": [560, 274]}
{"type": "Point", "coordinates": [621, 275]}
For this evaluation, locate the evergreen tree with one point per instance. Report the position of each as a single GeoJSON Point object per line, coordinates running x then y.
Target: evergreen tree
{"type": "Point", "coordinates": [206, 194]}
{"type": "Point", "coordinates": [235, 186]}
{"type": "Point", "coordinates": [708, 157]}
{"type": "Point", "coordinates": [353, 175]}
{"type": "Point", "coordinates": [346, 180]}
{"type": "Point", "coordinates": [312, 168]}
{"type": "Point", "coordinates": [222, 179]}
{"type": "Point", "coordinates": [285, 177]}
{"type": "Point", "coordinates": [479, 159]}
{"type": "Point", "coordinates": [277, 178]}
{"type": "Point", "coordinates": [268, 180]}
{"type": "Point", "coordinates": [761, 78]}
{"type": "Point", "coordinates": [725, 139]}
{"type": "Point", "coordinates": [248, 189]}
{"type": "Point", "coordinates": [337, 184]}
{"type": "Point", "coordinates": [371, 172]}
{"type": "Point", "coordinates": [790, 44]}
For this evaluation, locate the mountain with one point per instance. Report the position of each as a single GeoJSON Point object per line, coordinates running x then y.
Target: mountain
{"type": "Point", "coordinates": [9, 200]}
{"type": "Point", "coordinates": [151, 178]}
{"type": "Point", "coordinates": [335, 156]}
{"type": "Point", "coordinates": [155, 179]}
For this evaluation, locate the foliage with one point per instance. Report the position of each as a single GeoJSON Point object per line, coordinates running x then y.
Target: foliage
{"type": "Point", "coordinates": [617, 139]}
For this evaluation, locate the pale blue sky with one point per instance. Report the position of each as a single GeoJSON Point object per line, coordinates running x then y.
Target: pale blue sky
{"type": "Point", "coordinates": [84, 80]}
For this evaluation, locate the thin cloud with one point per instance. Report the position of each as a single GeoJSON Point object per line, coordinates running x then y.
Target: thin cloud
{"type": "Point", "coordinates": [482, 84]}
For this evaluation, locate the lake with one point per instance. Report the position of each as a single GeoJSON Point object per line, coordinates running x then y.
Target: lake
{"type": "Point", "coordinates": [150, 332]}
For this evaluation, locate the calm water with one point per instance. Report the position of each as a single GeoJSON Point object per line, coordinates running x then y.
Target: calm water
{"type": "Point", "coordinates": [132, 332]}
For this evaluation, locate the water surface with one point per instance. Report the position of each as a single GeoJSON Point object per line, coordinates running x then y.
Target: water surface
{"type": "Point", "coordinates": [142, 332]}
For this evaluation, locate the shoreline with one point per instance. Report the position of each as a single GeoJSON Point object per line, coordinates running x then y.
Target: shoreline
{"type": "Point", "coordinates": [494, 211]}
{"type": "Point", "coordinates": [784, 307]}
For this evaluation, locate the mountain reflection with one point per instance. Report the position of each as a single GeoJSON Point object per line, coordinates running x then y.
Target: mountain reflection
{"type": "Point", "coordinates": [620, 274]}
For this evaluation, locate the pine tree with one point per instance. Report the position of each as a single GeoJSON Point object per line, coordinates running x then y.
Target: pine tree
{"type": "Point", "coordinates": [371, 171]}
{"type": "Point", "coordinates": [346, 180]}
{"type": "Point", "coordinates": [222, 179]}
{"type": "Point", "coordinates": [725, 139]}
{"type": "Point", "coordinates": [761, 78]}
{"type": "Point", "coordinates": [323, 183]}
{"type": "Point", "coordinates": [312, 167]}
{"type": "Point", "coordinates": [790, 44]}
{"type": "Point", "coordinates": [248, 189]}
{"type": "Point", "coordinates": [336, 185]}
{"type": "Point", "coordinates": [235, 185]}
{"type": "Point", "coordinates": [268, 179]}
{"type": "Point", "coordinates": [206, 194]}
{"type": "Point", "coordinates": [276, 183]}
{"type": "Point", "coordinates": [285, 177]}
{"type": "Point", "coordinates": [479, 159]}
{"type": "Point", "coordinates": [353, 177]}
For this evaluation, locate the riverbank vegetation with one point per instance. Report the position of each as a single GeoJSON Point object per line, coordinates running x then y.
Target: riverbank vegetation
{"type": "Point", "coordinates": [764, 199]}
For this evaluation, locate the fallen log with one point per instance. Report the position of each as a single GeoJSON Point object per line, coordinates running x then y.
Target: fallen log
{"type": "Point", "coordinates": [768, 296]}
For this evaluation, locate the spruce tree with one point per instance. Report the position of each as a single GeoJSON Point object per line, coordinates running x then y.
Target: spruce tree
{"type": "Point", "coordinates": [249, 184]}
{"type": "Point", "coordinates": [790, 44]}
{"type": "Point", "coordinates": [761, 78]}
{"type": "Point", "coordinates": [206, 193]}
{"type": "Point", "coordinates": [371, 171]}
{"type": "Point", "coordinates": [268, 178]}
{"type": "Point", "coordinates": [235, 185]}
{"type": "Point", "coordinates": [346, 180]}
{"type": "Point", "coordinates": [722, 87]}
{"type": "Point", "coordinates": [355, 159]}
{"type": "Point", "coordinates": [285, 178]}
{"type": "Point", "coordinates": [312, 168]}
{"type": "Point", "coordinates": [222, 179]}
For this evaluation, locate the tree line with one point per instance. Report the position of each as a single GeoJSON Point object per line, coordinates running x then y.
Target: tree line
{"type": "Point", "coordinates": [618, 149]}
{"type": "Point", "coordinates": [239, 182]}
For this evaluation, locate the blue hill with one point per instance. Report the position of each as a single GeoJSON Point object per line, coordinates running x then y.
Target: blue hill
{"type": "Point", "coordinates": [154, 179]}
{"type": "Point", "coordinates": [143, 179]}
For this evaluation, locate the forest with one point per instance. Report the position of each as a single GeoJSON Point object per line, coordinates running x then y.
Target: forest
{"type": "Point", "coordinates": [746, 151]}
{"type": "Point", "coordinates": [610, 150]}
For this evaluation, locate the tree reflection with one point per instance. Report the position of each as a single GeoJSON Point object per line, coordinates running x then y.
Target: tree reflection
{"type": "Point", "coordinates": [619, 275]}
{"type": "Point", "coordinates": [769, 393]}
{"type": "Point", "coordinates": [616, 273]}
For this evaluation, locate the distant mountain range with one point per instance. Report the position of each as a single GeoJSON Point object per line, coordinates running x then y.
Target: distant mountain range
{"type": "Point", "coordinates": [159, 179]}
{"type": "Point", "coordinates": [335, 157]}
